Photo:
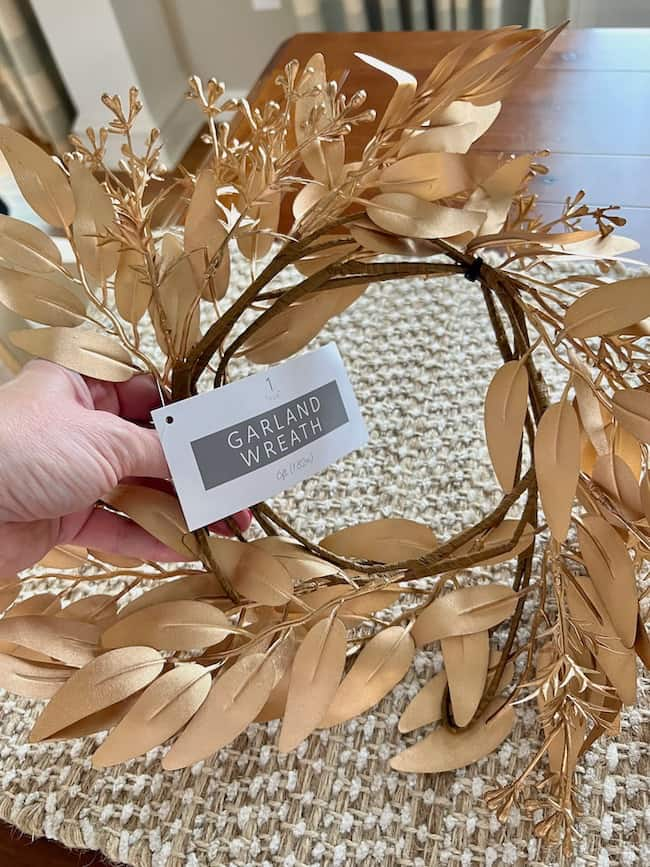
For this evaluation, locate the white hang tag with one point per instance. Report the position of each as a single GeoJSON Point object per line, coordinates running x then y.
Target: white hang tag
{"type": "Point", "coordinates": [237, 445]}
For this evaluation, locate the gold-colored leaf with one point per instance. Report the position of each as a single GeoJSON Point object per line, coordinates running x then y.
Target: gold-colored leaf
{"type": "Point", "coordinates": [115, 559]}
{"type": "Point", "coordinates": [26, 248]}
{"type": "Point", "coordinates": [402, 95]}
{"type": "Point", "coordinates": [453, 130]}
{"type": "Point", "coordinates": [464, 612]}
{"type": "Point", "coordinates": [254, 573]}
{"type": "Point", "coordinates": [188, 587]}
{"type": "Point", "coordinates": [505, 411]}
{"type": "Point", "coordinates": [40, 299]}
{"type": "Point", "coordinates": [158, 513]}
{"type": "Point", "coordinates": [177, 625]}
{"type": "Point", "coordinates": [631, 407]}
{"type": "Point", "coordinates": [94, 217]}
{"type": "Point", "coordinates": [380, 666]}
{"type": "Point", "coordinates": [502, 533]}
{"type": "Point", "coordinates": [372, 238]}
{"type": "Point", "coordinates": [235, 699]}
{"type": "Point", "coordinates": [132, 289]}
{"type": "Point", "coordinates": [70, 641]}
{"type": "Point", "coordinates": [65, 557]}
{"type": "Point", "coordinates": [315, 676]}
{"type": "Point", "coordinates": [98, 608]}
{"type": "Point", "coordinates": [257, 241]}
{"type": "Point", "coordinates": [443, 750]}
{"type": "Point", "coordinates": [204, 237]}
{"type": "Point", "coordinates": [593, 416]}
{"type": "Point", "coordinates": [160, 712]}
{"type": "Point", "coordinates": [612, 573]}
{"type": "Point", "coordinates": [349, 610]}
{"type": "Point", "coordinates": [42, 182]}
{"type": "Point", "coordinates": [557, 463]}
{"type": "Point", "coordinates": [9, 590]}
{"type": "Point", "coordinates": [178, 295]}
{"type": "Point", "coordinates": [323, 158]}
{"type": "Point", "coordinates": [610, 308]}
{"type": "Point", "coordinates": [100, 721]}
{"type": "Point", "coordinates": [466, 659]}
{"type": "Point", "coordinates": [89, 352]}
{"type": "Point", "coordinates": [385, 540]}
{"type": "Point", "coordinates": [31, 679]}
{"type": "Point", "coordinates": [617, 661]}
{"type": "Point", "coordinates": [429, 176]}
{"type": "Point", "coordinates": [577, 725]}
{"type": "Point", "coordinates": [405, 214]}
{"type": "Point", "coordinates": [617, 479]}
{"type": "Point", "coordinates": [110, 678]}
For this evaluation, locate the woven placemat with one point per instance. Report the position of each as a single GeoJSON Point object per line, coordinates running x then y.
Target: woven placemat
{"type": "Point", "coordinates": [420, 356]}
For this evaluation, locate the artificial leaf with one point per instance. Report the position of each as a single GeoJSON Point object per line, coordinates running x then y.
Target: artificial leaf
{"type": "Point", "coordinates": [176, 625]}
{"type": "Point", "coordinates": [315, 676]}
{"type": "Point", "coordinates": [558, 750]}
{"type": "Point", "coordinates": [403, 94]}
{"type": "Point", "coordinates": [466, 659]}
{"type": "Point", "coordinates": [405, 214]}
{"type": "Point", "coordinates": [350, 609]}
{"type": "Point", "coordinates": [557, 463]}
{"type": "Point", "coordinates": [205, 237]}
{"type": "Point", "coordinates": [132, 288]}
{"type": "Point", "coordinates": [175, 307]}
{"type": "Point", "coordinates": [503, 533]}
{"type": "Point", "coordinates": [25, 247]}
{"type": "Point", "coordinates": [612, 573]}
{"type": "Point", "coordinates": [617, 661]}
{"type": "Point", "coordinates": [464, 612]}
{"type": "Point", "coordinates": [234, 701]}
{"type": "Point", "coordinates": [94, 216]}
{"type": "Point", "coordinates": [108, 679]}
{"type": "Point", "coordinates": [276, 703]}
{"type": "Point", "coordinates": [253, 573]}
{"type": "Point", "coordinates": [70, 641]}
{"type": "Point", "coordinates": [160, 712]}
{"type": "Point", "coordinates": [617, 479]}
{"type": "Point", "coordinates": [188, 587]}
{"type": "Point", "coordinates": [9, 591]}
{"type": "Point", "coordinates": [610, 308]}
{"type": "Point", "coordinates": [42, 182]}
{"type": "Point", "coordinates": [115, 559]}
{"type": "Point", "coordinates": [100, 721]}
{"type": "Point", "coordinates": [98, 608]}
{"type": "Point", "coordinates": [313, 111]}
{"type": "Point", "coordinates": [31, 679]}
{"type": "Point", "coordinates": [254, 243]}
{"type": "Point", "coordinates": [90, 352]}
{"type": "Point", "coordinates": [40, 300]}
{"type": "Point", "coordinates": [505, 411]}
{"type": "Point", "coordinates": [65, 557]}
{"type": "Point", "coordinates": [158, 513]}
{"type": "Point", "coordinates": [385, 540]}
{"type": "Point", "coordinates": [631, 407]}
{"type": "Point", "coordinates": [443, 750]}
{"type": "Point", "coordinates": [429, 176]}
{"type": "Point", "coordinates": [372, 238]}
{"type": "Point", "coordinates": [381, 665]}
{"type": "Point", "coordinates": [452, 130]}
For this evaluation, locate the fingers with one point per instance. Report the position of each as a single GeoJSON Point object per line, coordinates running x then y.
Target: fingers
{"type": "Point", "coordinates": [115, 534]}
{"type": "Point", "coordinates": [136, 451]}
{"type": "Point", "coordinates": [133, 399]}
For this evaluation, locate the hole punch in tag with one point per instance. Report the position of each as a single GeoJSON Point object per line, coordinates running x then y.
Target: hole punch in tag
{"type": "Point", "coordinates": [251, 439]}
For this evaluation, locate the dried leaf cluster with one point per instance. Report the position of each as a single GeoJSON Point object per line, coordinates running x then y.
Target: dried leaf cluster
{"type": "Point", "coordinates": [281, 627]}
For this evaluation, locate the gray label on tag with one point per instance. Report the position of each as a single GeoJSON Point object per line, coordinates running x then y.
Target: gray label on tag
{"type": "Point", "coordinates": [265, 438]}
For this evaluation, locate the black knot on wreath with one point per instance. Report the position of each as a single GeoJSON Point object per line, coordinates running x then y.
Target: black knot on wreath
{"type": "Point", "coordinates": [473, 271]}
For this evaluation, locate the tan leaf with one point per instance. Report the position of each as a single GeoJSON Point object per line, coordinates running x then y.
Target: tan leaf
{"type": "Point", "coordinates": [404, 214]}
{"type": "Point", "coordinates": [372, 238]}
{"type": "Point", "coordinates": [502, 533]}
{"type": "Point", "coordinates": [160, 712]}
{"type": "Point", "coordinates": [177, 625]}
{"type": "Point", "coordinates": [464, 612]}
{"type": "Point", "coordinates": [158, 512]}
{"type": "Point", "coordinates": [612, 573]}
{"type": "Point", "coordinates": [98, 608]}
{"type": "Point", "coordinates": [631, 407]}
{"type": "Point", "coordinates": [9, 591]}
{"type": "Point", "coordinates": [276, 702]}
{"type": "Point", "coordinates": [429, 176]}
{"type": "Point", "coordinates": [610, 308]}
{"type": "Point", "coordinates": [70, 641]}
{"type": "Point", "coordinates": [31, 679]}
{"type": "Point", "coordinates": [235, 699]}
{"type": "Point", "coordinates": [466, 659]}
{"type": "Point", "coordinates": [315, 676]}
{"type": "Point", "coordinates": [258, 240]}
{"type": "Point", "coordinates": [40, 299]}
{"type": "Point", "coordinates": [132, 290]}
{"type": "Point", "coordinates": [381, 665]}
{"type": "Point", "coordinates": [94, 216]}
{"type": "Point", "coordinates": [204, 236]}
{"type": "Point", "coordinates": [254, 573]}
{"type": "Point", "coordinates": [385, 540]}
{"type": "Point", "coordinates": [100, 721]}
{"type": "Point", "coordinates": [42, 182]}
{"type": "Point", "coordinates": [188, 587]}
{"type": "Point", "coordinates": [351, 609]}
{"type": "Point", "coordinates": [452, 130]}
{"type": "Point", "coordinates": [556, 748]}
{"type": "Point", "coordinates": [402, 95]}
{"type": "Point", "coordinates": [443, 750]}
{"type": "Point", "coordinates": [642, 642]}
{"type": "Point", "coordinates": [40, 603]}
{"type": "Point", "coordinates": [593, 415]}
{"type": "Point", "coordinates": [617, 661]}
{"type": "Point", "coordinates": [108, 679]}
{"type": "Point", "coordinates": [26, 247]}
{"type": "Point", "coordinates": [313, 111]}
{"type": "Point", "coordinates": [557, 463]}
{"type": "Point", "coordinates": [627, 447]}
{"type": "Point", "coordinates": [65, 557]}
{"type": "Point", "coordinates": [115, 559]}
{"type": "Point", "coordinates": [310, 263]}
{"type": "Point", "coordinates": [178, 295]}
{"type": "Point", "coordinates": [505, 411]}
{"type": "Point", "coordinates": [89, 352]}
{"type": "Point", "coordinates": [617, 479]}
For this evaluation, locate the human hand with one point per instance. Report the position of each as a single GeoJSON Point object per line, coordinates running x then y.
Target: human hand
{"type": "Point", "coordinates": [66, 441]}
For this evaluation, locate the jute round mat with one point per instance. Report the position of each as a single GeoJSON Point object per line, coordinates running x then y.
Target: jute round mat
{"type": "Point", "coordinates": [420, 356]}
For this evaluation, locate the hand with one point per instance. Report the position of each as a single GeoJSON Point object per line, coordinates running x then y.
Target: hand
{"type": "Point", "coordinates": [66, 441]}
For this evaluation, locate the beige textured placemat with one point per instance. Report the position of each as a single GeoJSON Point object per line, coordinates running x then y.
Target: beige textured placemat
{"type": "Point", "coordinates": [420, 357]}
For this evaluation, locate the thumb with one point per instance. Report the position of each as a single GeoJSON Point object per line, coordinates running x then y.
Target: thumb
{"type": "Point", "coordinates": [137, 449]}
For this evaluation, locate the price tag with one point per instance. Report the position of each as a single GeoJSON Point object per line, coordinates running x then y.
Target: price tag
{"type": "Point", "coordinates": [237, 445]}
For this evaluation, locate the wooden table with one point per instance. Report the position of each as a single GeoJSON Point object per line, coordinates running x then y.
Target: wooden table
{"type": "Point", "coordinates": [588, 102]}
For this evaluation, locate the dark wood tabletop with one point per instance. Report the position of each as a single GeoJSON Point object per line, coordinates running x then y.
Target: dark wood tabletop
{"type": "Point", "coordinates": [588, 102]}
